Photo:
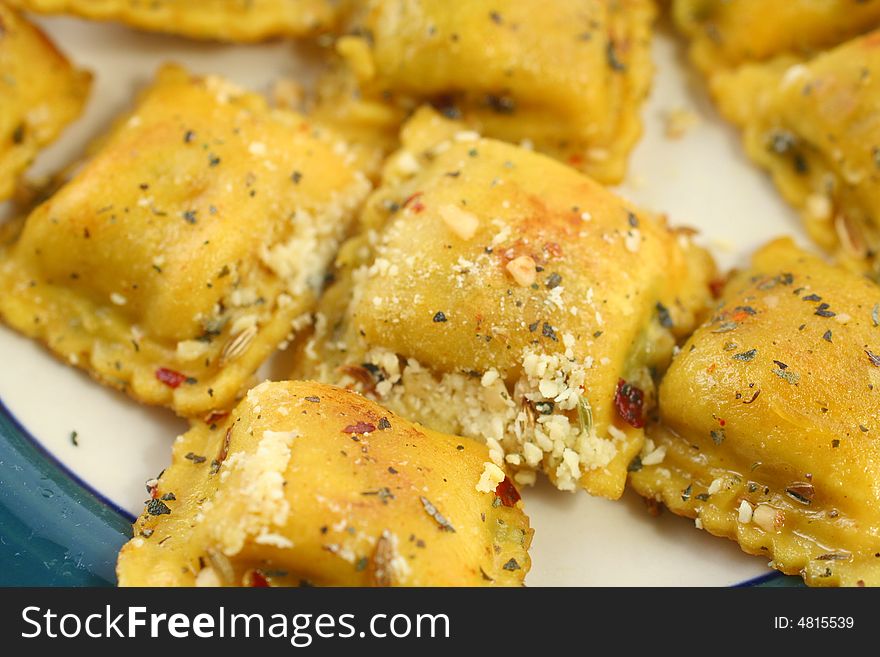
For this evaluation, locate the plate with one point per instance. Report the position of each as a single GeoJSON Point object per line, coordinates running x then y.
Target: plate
{"type": "Point", "coordinates": [74, 455]}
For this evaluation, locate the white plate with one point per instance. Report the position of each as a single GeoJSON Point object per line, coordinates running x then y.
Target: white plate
{"type": "Point", "coordinates": [701, 180]}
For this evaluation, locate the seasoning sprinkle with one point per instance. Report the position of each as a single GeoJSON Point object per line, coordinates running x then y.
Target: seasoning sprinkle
{"type": "Point", "coordinates": [827, 336]}
{"type": "Point", "coordinates": [439, 317]}
{"type": "Point", "coordinates": [718, 436]}
{"type": "Point", "coordinates": [313, 399]}
{"type": "Point", "coordinates": [664, 317]}
{"type": "Point", "coordinates": [874, 358]}
{"type": "Point", "coordinates": [74, 438]}
{"type": "Point", "coordinates": [384, 424]}
{"type": "Point", "coordinates": [791, 377]}
{"type": "Point", "coordinates": [195, 458]}
{"type": "Point", "coordinates": [822, 311]}
{"type": "Point", "coordinates": [511, 565]}
{"type": "Point", "coordinates": [746, 356]}
{"type": "Point", "coordinates": [157, 507]}
{"type": "Point", "coordinates": [432, 511]}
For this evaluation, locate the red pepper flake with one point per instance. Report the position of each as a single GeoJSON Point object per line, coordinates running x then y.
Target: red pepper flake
{"type": "Point", "coordinates": [507, 492]}
{"type": "Point", "coordinates": [576, 159]}
{"type": "Point", "coordinates": [215, 416]}
{"type": "Point", "coordinates": [716, 287]}
{"type": "Point", "coordinates": [170, 378]}
{"type": "Point", "coordinates": [359, 427]}
{"type": "Point", "coordinates": [418, 206]}
{"type": "Point", "coordinates": [628, 400]}
{"type": "Point", "coordinates": [553, 249]}
{"type": "Point", "coordinates": [256, 579]}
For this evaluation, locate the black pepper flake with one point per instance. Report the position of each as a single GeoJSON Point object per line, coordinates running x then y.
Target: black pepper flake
{"type": "Point", "coordinates": [439, 317]}
{"type": "Point", "coordinates": [548, 332]}
{"type": "Point", "coordinates": [703, 497]}
{"type": "Point", "coordinates": [168, 497]}
{"type": "Point", "coordinates": [511, 565]}
{"type": "Point", "coordinates": [746, 356]}
{"type": "Point", "coordinates": [384, 494]}
{"type": "Point", "coordinates": [874, 358]}
{"type": "Point", "coordinates": [74, 438]}
{"type": "Point", "coordinates": [863, 428]}
{"type": "Point", "coordinates": [313, 399]}
{"type": "Point", "coordinates": [812, 297]}
{"type": "Point", "coordinates": [361, 564]}
{"type": "Point", "coordinates": [188, 136]}
{"type": "Point", "coordinates": [553, 280]}
{"type": "Point", "coordinates": [613, 61]}
{"type": "Point", "coordinates": [635, 465]}
{"type": "Point", "coordinates": [835, 443]}
{"type": "Point", "coordinates": [213, 160]}
{"type": "Point", "coordinates": [383, 424]}
{"type": "Point", "coordinates": [686, 493]}
{"type": "Point", "coordinates": [189, 216]}
{"type": "Point", "coordinates": [157, 508]}
{"type": "Point", "coordinates": [296, 176]}
{"type": "Point", "coordinates": [827, 336]}
{"type": "Point", "coordinates": [664, 317]}
{"type": "Point", "coordinates": [781, 365]}
{"type": "Point", "coordinates": [391, 470]}
{"type": "Point", "coordinates": [718, 436]}
{"type": "Point", "coordinates": [495, 17]}
{"type": "Point", "coordinates": [432, 511]}
{"type": "Point", "coordinates": [18, 134]}
{"type": "Point", "coordinates": [822, 311]}
{"type": "Point", "coordinates": [195, 458]}
{"type": "Point", "coordinates": [632, 219]}
{"type": "Point", "coordinates": [533, 326]}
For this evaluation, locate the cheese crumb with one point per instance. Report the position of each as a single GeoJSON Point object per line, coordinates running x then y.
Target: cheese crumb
{"type": "Point", "coordinates": [461, 222]}
{"type": "Point", "coordinates": [745, 512]}
{"type": "Point", "coordinates": [491, 477]}
{"type": "Point", "coordinates": [524, 270]}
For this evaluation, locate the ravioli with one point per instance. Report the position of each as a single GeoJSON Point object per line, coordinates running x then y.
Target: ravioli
{"type": "Point", "coordinates": [222, 20]}
{"type": "Point", "coordinates": [727, 33]}
{"type": "Point", "coordinates": [41, 91]}
{"type": "Point", "coordinates": [497, 294]}
{"type": "Point", "coordinates": [178, 257]}
{"type": "Point", "coordinates": [814, 126]}
{"type": "Point", "coordinates": [770, 417]}
{"type": "Point", "coordinates": [307, 484]}
{"type": "Point", "coordinates": [567, 76]}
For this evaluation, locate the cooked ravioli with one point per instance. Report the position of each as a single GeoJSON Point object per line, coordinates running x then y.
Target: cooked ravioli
{"type": "Point", "coordinates": [41, 93]}
{"type": "Point", "coordinates": [307, 484]}
{"type": "Point", "coordinates": [567, 76]}
{"type": "Point", "coordinates": [177, 258]}
{"type": "Point", "coordinates": [224, 20]}
{"type": "Point", "coordinates": [814, 126]}
{"type": "Point", "coordinates": [497, 294]}
{"type": "Point", "coordinates": [771, 420]}
{"type": "Point", "coordinates": [726, 33]}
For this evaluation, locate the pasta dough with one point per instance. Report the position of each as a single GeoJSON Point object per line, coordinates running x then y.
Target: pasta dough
{"type": "Point", "coordinates": [815, 128]}
{"type": "Point", "coordinates": [177, 258]}
{"type": "Point", "coordinates": [567, 76]}
{"type": "Point", "coordinates": [224, 20]}
{"type": "Point", "coordinates": [727, 33]}
{"type": "Point", "coordinates": [772, 415]}
{"type": "Point", "coordinates": [309, 484]}
{"type": "Point", "coordinates": [497, 294]}
{"type": "Point", "coordinates": [41, 94]}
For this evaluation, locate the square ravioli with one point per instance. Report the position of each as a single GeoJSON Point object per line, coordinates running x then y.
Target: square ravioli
{"type": "Point", "coordinates": [41, 93]}
{"type": "Point", "coordinates": [770, 417]}
{"type": "Point", "coordinates": [814, 126]}
{"type": "Point", "coordinates": [727, 33]}
{"type": "Point", "coordinates": [223, 20]}
{"type": "Point", "coordinates": [567, 76]}
{"type": "Point", "coordinates": [305, 484]}
{"type": "Point", "coordinates": [177, 258]}
{"type": "Point", "coordinates": [497, 294]}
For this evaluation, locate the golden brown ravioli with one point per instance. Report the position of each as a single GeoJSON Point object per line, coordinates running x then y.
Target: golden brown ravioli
{"type": "Point", "coordinates": [567, 76]}
{"type": "Point", "coordinates": [814, 126]}
{"type": "Point", "coordinates": [771, 417]}
{"type": "Point", "coordinates": [497, 294]}
{"type": "Point", "coordinates": [223, 20]}
{"type": "Point", "coordinates": [41, 93]}
{"type": "Point", "coordinates": [177, 258]}
{"type": "Point", "coordinates": [305, 483]}
{"type": "Point", "coordinates": [727, 33]}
